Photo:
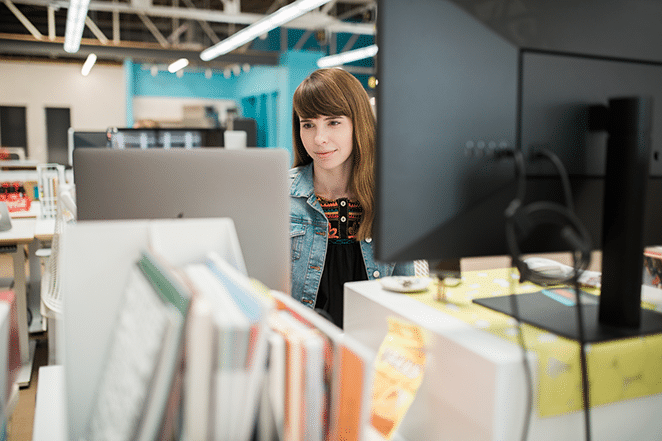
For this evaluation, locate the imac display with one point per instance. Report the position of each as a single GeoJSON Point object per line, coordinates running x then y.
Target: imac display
{"type": "Point", "coordinates": [460, 83]}
{"type": "Point", "coordinates": [249, 186]}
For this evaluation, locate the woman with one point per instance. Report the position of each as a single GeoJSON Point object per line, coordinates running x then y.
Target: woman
{"type": "Point", "coordinates": [332, 191]}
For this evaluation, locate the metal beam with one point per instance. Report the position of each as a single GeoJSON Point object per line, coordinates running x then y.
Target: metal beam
{"type": "Point", "coordinates": [24, 20]}
{"type": "Point", "coordinates": [174, 36]}
{"type": "Point", "coordinates": [350, 43]}
{"type": "Point", "coordinates": [154, 30]}
{"type": "Point", "coordinates": [152, 53]}
{"type": "Point", "coordinates": [313, 20]}
{"type": "Point", "coordinates": [95, 30]}
{"type": "Point", "coordinates": [204, 25]}
{"type": "Point", "coordinates": [299, 44]}
{"type": "Point", "coordinates": [116, 26]}
{"type": "Point", "coordinates": [51, 23]}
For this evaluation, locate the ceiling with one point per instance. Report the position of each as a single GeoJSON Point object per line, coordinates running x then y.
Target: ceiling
{"type": "Point", "coordinates": [160, 31]}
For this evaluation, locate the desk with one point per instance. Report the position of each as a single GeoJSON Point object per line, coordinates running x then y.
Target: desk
{"type": "Point", "coordinates": [473, 388]}
{"type": "Point", "coordinates": [18, 164]}
{"type": "Point", "coordinates": [21, 233]}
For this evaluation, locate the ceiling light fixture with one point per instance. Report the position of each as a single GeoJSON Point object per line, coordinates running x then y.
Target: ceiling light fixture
{"type": "Point", "coordinates": [178, 65]}
{"type": "Point", "coordinates": [348, 57]}
{"type": "Point", "coordinates": [89, 62]}
{"type": "Point", "coordinates": [73, 32]}
{"type": "Point", "coordinates": [283, 15]}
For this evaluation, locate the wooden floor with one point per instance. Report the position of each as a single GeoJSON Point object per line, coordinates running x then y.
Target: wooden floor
{"type": "Point", "coordinates": [19, 427]}
{"type": "Point", "coordinates": [20, 423]}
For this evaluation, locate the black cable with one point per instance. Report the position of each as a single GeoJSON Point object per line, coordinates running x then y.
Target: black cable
{"type": "Point", "coordinates": [520, 169]}
{"type": "Point", "coordinates": [578, 268]}
{"type": "Point", "coordinates": [513, 208]}
{"type": "Point", "coordinates": [563, 174]}
{"type": "Point", "coordinates": [582, 355]}
{"type": "Point", "coordinates": [524, 219]}
{"type": "Point", "coordinates": [525, 361]}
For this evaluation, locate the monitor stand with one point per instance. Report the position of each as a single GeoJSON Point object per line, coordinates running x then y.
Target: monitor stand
{"type": "Point", "coordinates": [628, 122]}
{"type": "Point", "coordinates": [539, 310]}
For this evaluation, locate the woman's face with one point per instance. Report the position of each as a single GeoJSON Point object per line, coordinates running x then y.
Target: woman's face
{"type": "Point", "coordinates": [328, 140]}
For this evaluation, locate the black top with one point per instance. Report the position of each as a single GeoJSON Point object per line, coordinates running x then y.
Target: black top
{"type": "Point", "coordinates": [344, 261]}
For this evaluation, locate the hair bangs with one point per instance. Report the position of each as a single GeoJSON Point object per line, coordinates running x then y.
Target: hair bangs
{"type": "Point", "coordinates": [317, 98]}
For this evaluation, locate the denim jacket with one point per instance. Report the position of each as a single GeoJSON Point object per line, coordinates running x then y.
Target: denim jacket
{"type": "Point", "coordinates": [309, 236]}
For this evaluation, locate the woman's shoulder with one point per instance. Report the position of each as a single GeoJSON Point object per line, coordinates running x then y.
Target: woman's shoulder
{"type": "Point", "coordinates": [299, 170]}
{"type": "Point", "coordinates": [294, 172]}
{"type": "Point", "coordinates": [301, 180]}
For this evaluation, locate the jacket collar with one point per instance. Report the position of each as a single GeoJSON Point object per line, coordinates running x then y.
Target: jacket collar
{"type": "Point", "coordinates": [302, 181]}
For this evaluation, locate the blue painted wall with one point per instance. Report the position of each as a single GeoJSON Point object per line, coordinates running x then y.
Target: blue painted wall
{"type": "Point", "coordinates": [192, 84]}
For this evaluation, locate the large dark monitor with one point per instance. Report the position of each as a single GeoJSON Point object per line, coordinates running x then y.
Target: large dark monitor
{"type": "Point", "coordinates": [460, 81]}
{"type": "Point", "coordinates": [85, 139]}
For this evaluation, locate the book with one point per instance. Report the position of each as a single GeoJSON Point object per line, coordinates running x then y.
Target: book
{"type": "Point", "coordinates": [306, 390]}
{"type": "Point", "coordinates": [13, 348]}
{"type": "Point", "coordinates": [231, 330]}
{"type": "Point", "coordinates": [200, 354]}
{"type": "Point", "coordinates": [351, 365]}
{"type": "Point", "coordinates": [237, 307]}
{"type": "Point", "coordinates": [254, 299]}
{"type": "Point", "coordinates": [5, 385]}
{"type": "Point", "coordinates": [272, 406]}
{"type": "Point", "coordinates": [144, 356]}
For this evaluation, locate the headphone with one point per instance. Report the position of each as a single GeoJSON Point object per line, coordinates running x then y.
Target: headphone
{"type": "Point", "coordinates": [522, 220]}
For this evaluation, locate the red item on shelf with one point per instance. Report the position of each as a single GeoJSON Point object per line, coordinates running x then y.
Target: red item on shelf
{"type": "Point", "coordinates": [13, 194]}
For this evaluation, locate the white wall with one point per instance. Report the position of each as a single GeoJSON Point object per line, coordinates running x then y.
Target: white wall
{"type": "Point", "coordinates": [96, 101]}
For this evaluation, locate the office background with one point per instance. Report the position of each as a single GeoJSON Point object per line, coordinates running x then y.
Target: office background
{"type": "Point", "coordinates": [119, 94]}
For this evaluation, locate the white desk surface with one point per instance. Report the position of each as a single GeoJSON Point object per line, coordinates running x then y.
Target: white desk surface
{"type": "Point", "coordinates": [22, 232]}
{"type": "Point", "coordinates": [43, 229]}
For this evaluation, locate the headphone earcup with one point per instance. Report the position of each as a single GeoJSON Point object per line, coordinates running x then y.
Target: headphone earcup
{"type": "Point", "coordinates": [523, 221]}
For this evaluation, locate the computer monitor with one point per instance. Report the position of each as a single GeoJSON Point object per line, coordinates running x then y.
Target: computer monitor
{"type": "Point", "coordinates": [148, 138]}
{"type": "Point", "coordinates": [249, 186]}
{"type": "Point", "coordinates": [85, 139]}
{"type": "Point", "coordinates": [459, 81]}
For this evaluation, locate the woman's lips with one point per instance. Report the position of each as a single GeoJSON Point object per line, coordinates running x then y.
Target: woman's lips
{"type": "Point", "coordinates": [325, 154]}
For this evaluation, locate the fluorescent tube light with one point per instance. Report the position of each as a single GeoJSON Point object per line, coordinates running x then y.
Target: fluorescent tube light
{"type": "Point", "coordinates": [283, 15]}
{"type": "Point", "coordinates": [89, 62]}
{"type": "Point", "coordinates": [178, 65]}
{"type": "Point", "coordinates": [348, 57]}
{"type": "Point", "coordinates": [75, 24]}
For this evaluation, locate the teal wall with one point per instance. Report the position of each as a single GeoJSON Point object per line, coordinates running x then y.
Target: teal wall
{"type": "Point", "coordinates": [192, 84]}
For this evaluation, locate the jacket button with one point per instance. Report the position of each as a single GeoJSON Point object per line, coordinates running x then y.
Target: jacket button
{"type": "Point", "coordinates": [368, 240]}
{"type": "Point", "coordinates": [376, 274]}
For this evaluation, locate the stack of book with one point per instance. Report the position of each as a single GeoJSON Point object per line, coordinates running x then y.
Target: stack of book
{"type": "Point", "coordinates": [203, 352]}
{"type": "Point", "coordinates": [319, 384]}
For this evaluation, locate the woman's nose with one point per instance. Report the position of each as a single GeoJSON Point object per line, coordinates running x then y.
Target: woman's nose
{"type": "Point", "coordinates": [321, 136]}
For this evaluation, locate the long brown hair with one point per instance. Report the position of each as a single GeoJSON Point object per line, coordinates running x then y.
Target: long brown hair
{"type": "Point", "coordinates": [335, 92]}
